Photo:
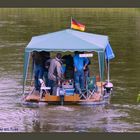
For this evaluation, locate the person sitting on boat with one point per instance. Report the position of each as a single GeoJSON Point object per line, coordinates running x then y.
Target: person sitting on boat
{"type": "Point", "coordinates": [80, 64]}
{"type": "Point", "coordinates": [55, 75]}
{"type": "Point", "coordinates": [38, 68]}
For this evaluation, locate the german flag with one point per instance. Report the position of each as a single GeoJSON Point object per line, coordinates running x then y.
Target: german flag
{"type": "Point", "coordinates": [76, 25]}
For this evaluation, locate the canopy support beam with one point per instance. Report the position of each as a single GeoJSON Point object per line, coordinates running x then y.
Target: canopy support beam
{"type": "Point", "coordinates": [25, 70]}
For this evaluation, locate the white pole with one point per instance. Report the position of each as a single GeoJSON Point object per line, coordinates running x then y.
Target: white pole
{"type": "Point", "coordinates": [108, 71]}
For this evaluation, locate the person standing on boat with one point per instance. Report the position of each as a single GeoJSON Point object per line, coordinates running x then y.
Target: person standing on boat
{"type": "Point", "coordinates": [80, 64]}
{"type": "Point", "coordinates": [86, 72]}
{"type": "Point", "coordinates": [38, 68]}
{"type": "Point", "coordinates": [55, 74]}
{"type": "Point", "coordinates": [68, 60]}
{"type": "Point", "coordinates": [46, 66]}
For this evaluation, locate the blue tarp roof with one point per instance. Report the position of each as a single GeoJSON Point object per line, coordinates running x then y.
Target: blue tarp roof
{"type": "Point", "coordinates": [68, 40]}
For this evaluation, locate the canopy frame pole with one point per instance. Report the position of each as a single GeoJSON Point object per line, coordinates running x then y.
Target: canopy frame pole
{"type": "Point", "coordinates": [25, 71]}
{"type": "Point", "coordinates": [32, 71]}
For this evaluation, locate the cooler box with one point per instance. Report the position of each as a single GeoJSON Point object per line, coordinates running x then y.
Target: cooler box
{"type": "Point", "coordinates": [69, 91]}
{"type": "Point", "coordinates": [67, 86]}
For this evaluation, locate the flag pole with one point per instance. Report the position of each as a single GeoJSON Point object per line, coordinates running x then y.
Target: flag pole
{"type": "Point", "coordinates": [71, 22]}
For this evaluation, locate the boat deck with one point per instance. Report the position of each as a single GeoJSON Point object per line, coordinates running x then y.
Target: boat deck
{"type": "Point", "coordinates": [34, 96]}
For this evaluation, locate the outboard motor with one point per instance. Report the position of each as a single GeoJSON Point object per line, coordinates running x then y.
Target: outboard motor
{"type": "Point", "coordinates": [61, 94]}
{"type": "Point", "coordinates": [108, 87]}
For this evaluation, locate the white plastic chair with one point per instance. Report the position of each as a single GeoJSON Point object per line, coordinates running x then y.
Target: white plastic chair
{"type": "Point", "coordinates": [43, 88]}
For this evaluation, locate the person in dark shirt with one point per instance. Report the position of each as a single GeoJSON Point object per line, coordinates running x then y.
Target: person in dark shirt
{"type": "Point", "coordinates": [38, 60]}
{"type": "Point", "coordinates": [69, 72]}
{"type": "Point", "coordinates": [47, 60]}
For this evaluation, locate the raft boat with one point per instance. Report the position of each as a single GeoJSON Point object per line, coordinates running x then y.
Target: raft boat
{"type": "Point", "coordinates": [69, 40]}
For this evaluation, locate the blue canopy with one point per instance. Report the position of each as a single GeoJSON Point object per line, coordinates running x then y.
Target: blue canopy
{"type": "Point", "coordinates": [70, 40]}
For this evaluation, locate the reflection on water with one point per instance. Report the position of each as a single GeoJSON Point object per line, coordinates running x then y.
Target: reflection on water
{"type": "Point", "coordinates": [18, 25]}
